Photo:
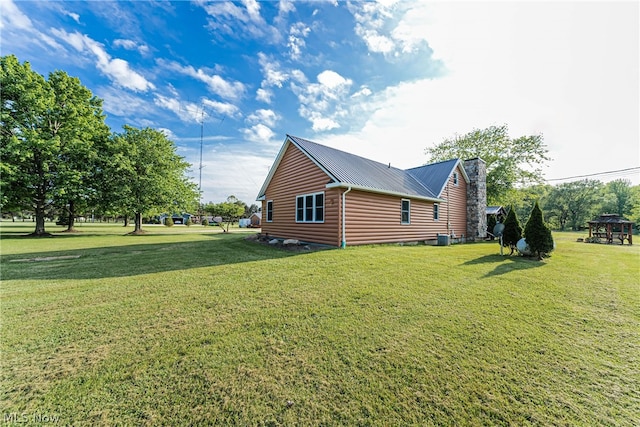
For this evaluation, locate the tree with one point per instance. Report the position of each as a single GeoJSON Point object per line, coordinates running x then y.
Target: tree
{"type": "Point", "coordinates": [574, 203]}
{"type": "Point", "coordinates": [537, 234]}
{"type": "Point", "coordinates": [145, 175]}
{"type": "Point", "coordinates": [229, 211]}
{"type": "Point", "coordinates": [491, 223]}
{"type": "Point", "coordinates": [509, 161]}
{"type": "Point", "coordinates": [49, 132]}
{"type": "Point", "coordinates": [618, 197]}
{"type": "Point", "coordinates": [29, 154]}
{"type": "Point", "coordinates": [512, 230]}
{"type": "Point", "coordinates": [77, 121]}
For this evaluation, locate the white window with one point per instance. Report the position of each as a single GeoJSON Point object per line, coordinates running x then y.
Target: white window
{"type": "Point", "coordinates": [455, 179]}
{"type": "Point", "coordinates": [270, 211]}
{"type": "Point", "coordinates": [405, 212]}
{"type": "Point", "coordinates": [436, 211]}
{"type": "Point", "coordinates": [310, 208]}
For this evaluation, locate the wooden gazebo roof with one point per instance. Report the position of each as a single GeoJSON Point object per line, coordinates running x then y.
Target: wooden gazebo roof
{"type": "Point", "coordinates": [611, 219]}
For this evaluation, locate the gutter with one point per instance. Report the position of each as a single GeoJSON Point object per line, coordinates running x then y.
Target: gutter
{"type": "Point", "coordinates": [344, 219]}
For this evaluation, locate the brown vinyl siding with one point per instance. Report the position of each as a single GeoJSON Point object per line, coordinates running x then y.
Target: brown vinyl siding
{"type": "Point", "coordinates": [455, 209]}
{"type": "Point", "coordinates": [297, 175]}
{"type": "Point", "coordinates": [376, 218]}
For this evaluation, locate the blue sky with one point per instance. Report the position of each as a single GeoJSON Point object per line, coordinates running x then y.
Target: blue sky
{"type": "Point", "coordinates": [382, 79]}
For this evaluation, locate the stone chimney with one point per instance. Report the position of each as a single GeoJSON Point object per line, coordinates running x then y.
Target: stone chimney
{"type": "Point", "coordinates": [476, 199]}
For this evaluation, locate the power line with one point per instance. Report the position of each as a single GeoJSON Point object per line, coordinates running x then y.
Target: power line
{"type": "Point", "coordinates": [637, 168]}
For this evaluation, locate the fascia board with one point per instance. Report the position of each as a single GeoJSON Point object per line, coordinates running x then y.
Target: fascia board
{"type": "Point", "coordinates": [378, 191]}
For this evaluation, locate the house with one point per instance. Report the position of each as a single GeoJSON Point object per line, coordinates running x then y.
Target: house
{"type": "Point", "coordinates": [318, 194]}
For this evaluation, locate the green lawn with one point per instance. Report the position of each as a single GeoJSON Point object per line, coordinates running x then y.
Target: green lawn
{"type": "Point", "coordinates": [188, 326]}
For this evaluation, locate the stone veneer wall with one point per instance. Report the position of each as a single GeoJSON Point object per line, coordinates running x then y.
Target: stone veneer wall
{"type": "Point", "coordinates": [476, 199]}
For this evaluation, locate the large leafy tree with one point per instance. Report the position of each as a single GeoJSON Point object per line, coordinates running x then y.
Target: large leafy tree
{"type": "Point", "coordinates": [142, 175]}
{"type": "Point", "coordinates": [572, 204]}
{"type": "Point", "coordinates": [509, 161]}
{"type": "Point", "coordinates": [77, 122]}
{"type": "Point", "coordinates": [618, 197]}
{"type": "Point", "coordinates": [48, 140]}
{"type": "Point", "coordinates": [29, 154]}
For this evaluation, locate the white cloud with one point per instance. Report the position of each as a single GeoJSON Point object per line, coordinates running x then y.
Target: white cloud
{"type": "Point", "coordinates": [323, 103]}
{"type": "Point", "coordinates": [168, 133]}
{"type": "Point", "coordinates": [236, 169]}
{"type": "Point", "coordinates": [188, 112]}
{"type": "Point", "coordinates": [267, 117]}
{"type": "Point", "coordinates": [259, 133]}
{"type": "Point", "coordinates": [333, 80]}
{"type": "Point", "coordinates": [566, 70]}
{"type": "Point", "coordinates": [272, 72]}
{"type": "Point", "coordinates": [116, 69]}
{"type": "Point", "coordinates": [297, 33]}
{"type": "Point", "coordinates": [143, 49]}
{"type": "Point", "coordinates": [264, 95]}
{"type": "Point", "coordinates": [223, 108]}
{"type": "Point", "coordinates": [18, 27]}
{"type": "Point", "coordinates": [12, 17]}
{"type": "Point", "coordinates": [73, 16]}
{"type": "Point", "coordinates": [391, 28]}
{"type": "Point", "coordinates": [227, 89]}
{"type": "Point", "coordinates": [260, 123]}
{"type": "Point", "coordinates": [122, 103]}
{"type": "Point", "coordinates": [238, 20]}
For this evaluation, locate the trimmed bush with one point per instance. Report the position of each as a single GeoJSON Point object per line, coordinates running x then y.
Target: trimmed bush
{"type": "Point", "coordinates": [189, 223]}
{"type": "Point", "coordinates": [537, 234]}
{"type": "Point", "coordinates": [168, 221]}
{"type": "Point", "coordinates": [512, 230]}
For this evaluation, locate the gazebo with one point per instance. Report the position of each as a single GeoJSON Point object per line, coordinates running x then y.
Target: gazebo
{"type": "Point", "coordinates": [610, 227]}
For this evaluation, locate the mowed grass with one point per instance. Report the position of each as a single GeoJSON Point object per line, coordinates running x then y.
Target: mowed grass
{"type": "Point", "coordinates": [192, 326]}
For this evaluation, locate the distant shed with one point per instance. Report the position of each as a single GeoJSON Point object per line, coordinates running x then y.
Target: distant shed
{"type": "Point", "coordinates": [256, 219]}
{"type": "Point", "coordinates": [611, 227]}
{"type": "Point", "coordinates": [498, 211]}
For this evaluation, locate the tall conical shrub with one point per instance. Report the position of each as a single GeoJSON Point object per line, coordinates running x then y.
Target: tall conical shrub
{"type": "Point", "coordinates": [537, 234]}
{"type": "Point", "coordinates": [491, 223]}
{"type": "Point", "coordinates": [512, 230]}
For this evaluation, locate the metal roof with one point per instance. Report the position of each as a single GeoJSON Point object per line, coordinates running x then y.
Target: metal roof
{"type": "Point", "coordinates": [610, 219]}
{"type": "Point", "coordinates": [346, 169]}
{"type": "Point", "coordinates": [495, 210]}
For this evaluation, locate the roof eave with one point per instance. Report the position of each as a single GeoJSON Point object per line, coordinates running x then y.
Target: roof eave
{"type": "Point", "coordinates": [386, 192]}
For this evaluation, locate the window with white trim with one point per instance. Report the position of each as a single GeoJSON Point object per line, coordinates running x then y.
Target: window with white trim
{"type": "Point", "coordinates": [269, 210]}
{"type": "Point", "coordinates": [310, 207]}
{"type": "Point", "coordinates": [455, 179]}
{"type": "Point", "coordinates": [436, 211]}
{"type": "Point", "coordinates": [405, 212]}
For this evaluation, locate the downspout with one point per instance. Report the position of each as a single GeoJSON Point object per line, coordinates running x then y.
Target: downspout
{"type": "Point", "coordinates": [344, 218]}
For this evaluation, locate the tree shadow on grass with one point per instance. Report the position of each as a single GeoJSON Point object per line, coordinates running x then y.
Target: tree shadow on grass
{"type": "Point", "coordinates": [136, 259]}
{"type": "Point", "coordinates": [506, 263]}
